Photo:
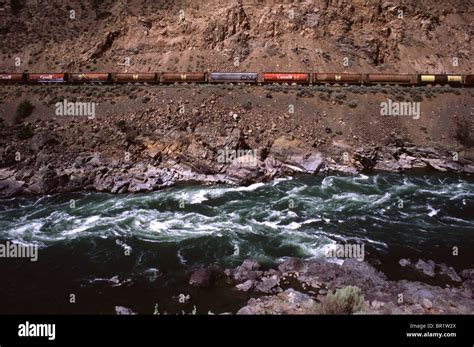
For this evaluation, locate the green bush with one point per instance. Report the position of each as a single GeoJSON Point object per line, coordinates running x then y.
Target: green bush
{"type": "Point", "coordinates": [347, 300]}
{"type": "Point", "coordinates": [25, 132]}
{"type": "Point", "coordinates": [23, 110]}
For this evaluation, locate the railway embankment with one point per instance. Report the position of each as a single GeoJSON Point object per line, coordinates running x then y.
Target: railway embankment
{"type": "Point", "coordinates": [140, 138]}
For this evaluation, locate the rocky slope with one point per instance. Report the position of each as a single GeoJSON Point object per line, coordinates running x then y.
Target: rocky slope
{"type": "Point", "coordinates": [297, 287]}
{"type": "Point", "coordinates": [144, 138]}
{"type": "Point", "coordinates": [324, 35]}
{"type": "Point", "coordinates": [148, 137]}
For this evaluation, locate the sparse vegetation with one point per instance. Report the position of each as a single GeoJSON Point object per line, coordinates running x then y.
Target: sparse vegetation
{"type": "Point", "coordinates": [120, 124]}
{"type": "Point", "coordinates": [462, 133]}
{"type": "Point", "coordinates": [16, 6]}
{"type": "Point", "coordinates": [25, 132]}
{"type": "Point", "coordinates": [24, 110]}
{"type": "Point", "coordinates": [347, 300]}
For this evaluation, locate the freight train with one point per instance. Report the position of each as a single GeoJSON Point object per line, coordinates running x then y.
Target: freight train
{"type": "Point", "coordinates": [241, 77]}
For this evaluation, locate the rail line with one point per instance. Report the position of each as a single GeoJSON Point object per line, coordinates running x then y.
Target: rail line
{"type": "Point", "coordinates": [297, 78]}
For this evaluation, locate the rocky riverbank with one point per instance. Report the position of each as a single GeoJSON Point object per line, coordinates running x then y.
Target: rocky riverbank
{"type": "Point", "coordinates": [39, 166]}
{"type": "Point", "coordinates": [320, 287]}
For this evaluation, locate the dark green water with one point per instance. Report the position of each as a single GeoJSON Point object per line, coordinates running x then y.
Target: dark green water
{"type": "Point", "coordinates": [82, 249]}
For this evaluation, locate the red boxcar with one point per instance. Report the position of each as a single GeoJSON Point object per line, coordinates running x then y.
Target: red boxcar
{"type": "Point", "coordinates": [89, 77]}
{"type": "Point", "coordinates": [338, 78]}
{"type": "Point", "coordinates": [285, 77]}
{"type": "Point", "coordinates": [47, 77]}
{"type": "Point", "coordinates": [11, 77]}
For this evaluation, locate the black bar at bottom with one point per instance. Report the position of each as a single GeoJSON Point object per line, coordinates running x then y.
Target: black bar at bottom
{"type": "Point", "coordinates": [357, 330]}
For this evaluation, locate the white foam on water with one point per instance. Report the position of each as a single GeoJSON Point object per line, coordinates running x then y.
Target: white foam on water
{"type": "Point", "coordinates": [195, 197]}
{"type": "Point", "coordinates": [311, 220]}
{"type": "Point", "coordinates": [433, 211]}
{"type": "Point", "coordinates": [383, 199]}
{"type": "Point", "coordinates": [362, 177]}
{"type": "Point", "coordinates": [327, 182]}
{"type": "Point", "coordinates": [277, 181]}
{"type": "Point", "coordinates": [293, 226]}
{"type": "Point", "coordinates": [182, 260]}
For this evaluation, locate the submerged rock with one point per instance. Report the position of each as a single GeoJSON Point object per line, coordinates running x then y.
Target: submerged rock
{"type": "Point", "coordinates": [201, 277]}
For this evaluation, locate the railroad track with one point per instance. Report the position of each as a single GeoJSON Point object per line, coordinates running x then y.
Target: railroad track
{"type": "Point", "coordinates": [298, 78]}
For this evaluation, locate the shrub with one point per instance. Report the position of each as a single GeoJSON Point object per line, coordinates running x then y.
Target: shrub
{"type": "Point", "coordinates": [120, 124]}
{"type": "Point", "coordinates": [248, 105]}
{"type": "Point", "coordinates": [16, 6]}
{"type": "Point", "coordinates": [462, 133]}
{"type": "Point", "coordinates": [339, 96]}
{"type": "Point", "coordinates": [24, 109]}
{"type": "Point", "coordinates": [25, 132]}
{"type": "Point", "coordinates": [347, 300]}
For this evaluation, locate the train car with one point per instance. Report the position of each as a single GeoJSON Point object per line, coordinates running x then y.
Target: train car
{"type": "Point", "coordinates": [11, 77]}
{"type": "Point", "coordinates": [391, 79]}
{"type": "Point", "coordinates": [285, 77]}
{"type": "Point", "coordinates": [343, 78]}
{"type": "Point", "coordinates": [134, 77]}
{"type": "Point", "coordinates": [89, 77]}
{"type": "Point", "coordinates": [47, 77]}
{"type": "Point", "coordinates": [440, 79]}
{"type": "Point", "coordinates": [233, 77]}
{"type": "Point", "coordinates": [189, 77]}
{"type": "Point", "coordinates": [469, 80]}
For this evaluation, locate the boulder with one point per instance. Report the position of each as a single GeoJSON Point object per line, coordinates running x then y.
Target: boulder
{"type": "Point", "coordinates": [201, 277]}
{"type": "Point", "coordinates": [427, 267]}
{"type": "Point", "coordinates": [121, 310]}
{"type": "Point", "coordinates": [294, 153]}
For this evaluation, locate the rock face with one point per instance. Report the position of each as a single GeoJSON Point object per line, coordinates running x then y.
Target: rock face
{"type": "Point", "coordinates": [298, 286]}
{"type": "Point", "coordinates": [427, 267]}
{"type": "Point", "coordinates": [372, 34]}
{"type": "Point", "coordinates": [173, 157]}
{"type": "Point", "coordinates": [430, 269]}
{"type": "Point", "coordinates": [294, 155]}
{"type": "Point", "coordinates": [288, 302]}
